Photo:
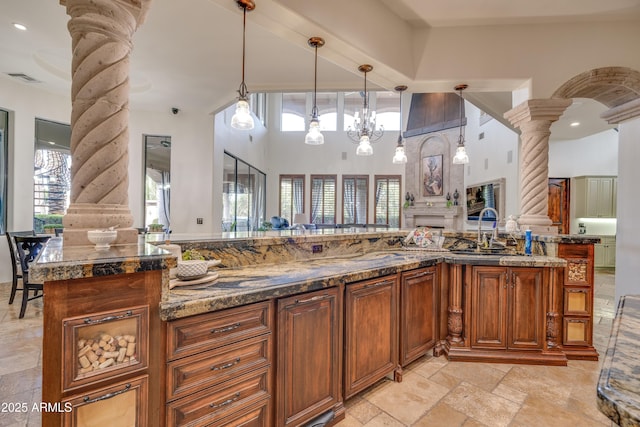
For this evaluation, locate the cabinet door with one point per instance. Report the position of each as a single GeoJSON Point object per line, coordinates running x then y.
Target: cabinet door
{"type": "Point", "coordinates": [418, 296]}
{"type": "Point", "coordinates": [526, 309]}
{"type": "Point", "coordinates": [309, 355]}
{"type": "Point", "coordinates": [371, 344]}
{"type": "Point", "coordinates": [605, 200]}
{"type": "Point", "coordinates": [489, 302]}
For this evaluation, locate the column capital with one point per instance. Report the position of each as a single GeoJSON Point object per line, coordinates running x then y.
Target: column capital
{"type": "Point", "coordinates": [622, 112]}
{"type": "Point", "coordinates": [537, 109]}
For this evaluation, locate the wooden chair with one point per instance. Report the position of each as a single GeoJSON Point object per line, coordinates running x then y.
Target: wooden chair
{"type": "Point", "coordinates": [28, 249]}
{"type": "Point", "coordinates": [15, 264]}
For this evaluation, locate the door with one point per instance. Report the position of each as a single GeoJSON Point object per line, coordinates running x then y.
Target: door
{"type": "Point", "coordinates": [489, 303]}
{"type": "Point", "coordinates": [309, 355]}
{"type": "Point", "coordinates": [418, 310]}
{"type": "Point", "coordinates": [526, 311]}
{"type": "Point", "coordinates": [559, 204]}
{"type": "Point", "coordinates": [371, 346]}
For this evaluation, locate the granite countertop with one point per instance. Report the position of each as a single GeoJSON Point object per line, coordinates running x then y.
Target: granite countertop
{"type": "Point", "coordinates": [619, 383]}
{"type": "Point", "coordinates": [56, 262]}
{"type": "Point", "coordinates": [248, 284]}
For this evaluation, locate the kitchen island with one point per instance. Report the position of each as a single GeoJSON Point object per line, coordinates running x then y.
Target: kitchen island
{"type": "Point", "coordinates": [239, 349]}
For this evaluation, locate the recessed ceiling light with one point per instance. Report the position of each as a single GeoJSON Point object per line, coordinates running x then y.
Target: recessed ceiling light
{"type": "Point", "coordinates": [19, 26]}
{"type": "Point", "coordinates": [574, 124]}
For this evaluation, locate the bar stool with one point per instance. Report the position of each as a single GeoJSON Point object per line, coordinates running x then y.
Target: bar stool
{"type": "Point", "coordinates": [28, 249]}
{"type": "Point", "coordinates": [15, 265]}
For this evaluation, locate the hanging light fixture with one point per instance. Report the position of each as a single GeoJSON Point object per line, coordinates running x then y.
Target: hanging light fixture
{"type": "Point", "coordinates": [461, 156]}
{"type": "Point", "coordinates": [242, 118]}
{"type": "Point", "coordinates": [400, 157]}
{"type": "Point", "coordinates": [364, 130]}
{"type": "Point", "coordinates": [314, 136]}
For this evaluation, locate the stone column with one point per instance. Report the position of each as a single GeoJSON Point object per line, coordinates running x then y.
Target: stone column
{"type": "Point", "coordinates": [101, 37]}
{"type": "Point", "coordinates": [534, 118]}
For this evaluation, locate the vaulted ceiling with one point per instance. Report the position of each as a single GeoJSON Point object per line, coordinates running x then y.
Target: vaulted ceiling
{"type": "Point", "coordinates": [188, 54]}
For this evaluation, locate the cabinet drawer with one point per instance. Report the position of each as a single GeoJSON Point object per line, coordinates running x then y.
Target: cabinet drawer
{"type": "Point", "coordinates": [577, 331]}
{"type": "Point", "coordinates": [209, 368]}
{"type": "Point", "coordinates": [214, 404]}
{"type": "Point", "coordinates": [212, 330]}
{"type": "Point", "coordinates": [577, 301]}
{"type": "Point", "coordinates": [122, 404]}
{"type": "Point", "coordinates": [254, 416]}
{"type": "Point", "coordinates": [104, 345]}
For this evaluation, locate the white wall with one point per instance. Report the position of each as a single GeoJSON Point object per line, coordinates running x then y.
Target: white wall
{"type": "Point", "coordinates": [593, 155]}
{"type": "Point", "coordinates": [489, 157]}
{"type": "Point", "coordinates": [628, 233]}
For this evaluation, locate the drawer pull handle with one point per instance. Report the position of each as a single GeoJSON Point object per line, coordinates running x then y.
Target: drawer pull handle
{"type": "Point", "coordinates": [126, 388]}
{"type": "Point", "coordinates": [226, 402]}
{"type": "Point", "coordinates": [227, 329]}
{"type": "Point", "coordinates": [316, 298]}
{"type": "Point", "coordinates": [89, 321]}
{"type": "Point", "coordinates": [226, 365]}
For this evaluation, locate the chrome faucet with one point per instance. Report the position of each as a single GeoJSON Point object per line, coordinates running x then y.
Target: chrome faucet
{"type": "Point", "coordinates": [494, 237]}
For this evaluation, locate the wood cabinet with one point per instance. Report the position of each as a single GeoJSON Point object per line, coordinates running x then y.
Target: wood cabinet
{"type": "Point", "coordinates": [507, 308]}
{"type": "Point", "coordinates": [596, 196]}
{"type": "Point", "coordinates": [104, 352]}
{"type": "Point", "coordinates": [578, 284]}
{"type": "Point", "coordinates": [309, 379]}
{"type": "Point", "coordinates": [604, 253]}
{"type": "Point", "coordinates": [418, 313]}
{"type": "Point", "coordinates": [220, 368]}
{"type": "Point", "coordinates": [371, 332]}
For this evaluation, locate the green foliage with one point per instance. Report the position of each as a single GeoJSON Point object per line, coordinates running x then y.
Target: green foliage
{"type": "Point", "coordinates": [190, 254]}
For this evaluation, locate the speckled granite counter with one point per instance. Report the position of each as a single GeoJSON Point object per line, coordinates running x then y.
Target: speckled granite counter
{"type": "Point", "coordinates": [56, 262]}
{"type": "Point", "coordinates": [619, 383]}
{"type": "Point", "coordinates": [239, 286]}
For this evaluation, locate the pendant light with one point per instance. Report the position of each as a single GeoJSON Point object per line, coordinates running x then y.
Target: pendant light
{"type": "Point", "coordinates": [400, 157]}
{"type": "Point", "coordinates": [461, 156]}
{"type": "Point", "coordinates": [242, 118]}
{"type": "Point", "coordinates": [364, 130]}
{"type": "Point", "coordinates": [314, 136]}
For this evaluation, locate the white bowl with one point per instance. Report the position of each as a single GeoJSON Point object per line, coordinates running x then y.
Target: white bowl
{"type": "Point", "coordinates": [192, 268]}
{"type": "Point", "coordinates": [102, 238]}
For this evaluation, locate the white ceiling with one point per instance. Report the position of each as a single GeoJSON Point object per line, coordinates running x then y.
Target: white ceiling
{"type": "Point", "coordinates": [188, 54]}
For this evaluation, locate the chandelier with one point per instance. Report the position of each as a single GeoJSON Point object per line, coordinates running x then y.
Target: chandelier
{"type": "Point", "coordinates": [242, 118]}
{"type": "Point", "coordinates": [461, 156]}
{"type": "Point", "coordinates": [400, 157]}
{"type": "Point", "coordinates": [314, 136]}
{"type": "Point", "coordinates": [364, 130]}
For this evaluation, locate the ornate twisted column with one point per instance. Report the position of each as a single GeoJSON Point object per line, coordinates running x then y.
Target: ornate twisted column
{"type": "Point", "coordinates": [534, 118]}
{"type": "Point", "coordinates": [101, 33]}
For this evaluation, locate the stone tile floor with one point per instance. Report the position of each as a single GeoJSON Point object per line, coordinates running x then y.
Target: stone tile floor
{"type": "Point", "coordinates": [433, 392]}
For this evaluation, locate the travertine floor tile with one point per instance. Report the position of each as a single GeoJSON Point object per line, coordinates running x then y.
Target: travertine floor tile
{"type": "Point", "coordinates": [482, 406]}
{"type": "Point", "coordinates": [442, 415]}
{"type": "Point", "coordinates": [409, 400]}
{"type": "Point", "coordinates": [384, 420]}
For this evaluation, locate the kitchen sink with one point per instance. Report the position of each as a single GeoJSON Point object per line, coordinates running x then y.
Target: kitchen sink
{"type": "Point", "coordinates": [488, 251]}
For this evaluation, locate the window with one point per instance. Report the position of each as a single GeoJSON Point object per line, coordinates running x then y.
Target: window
{"type": "Point", "coordinates": [4, 166]}
{"type": "Point", "coordinates": [323, 199]}
{"type": "Point", "coordinates": [157, 151]}
{"type": "Point", "coordinates": [291, 196]}
{"type": "Point", "coordinates": [385, 104]}
{"type": "Point", "coordinates": [258, 103]}
{"type": "Point", "coordinates": [354, 199]}
{"type": "Point", "coordinates": [243, 195]}
{"type": "Point", "coordinates": [327, 111]}
{"type": "Point", "coordinates": [294, 112]}
{"type": "Point", "coordinates": [388, 200]}
{"type": "Point", "coordinates": [52, 174]}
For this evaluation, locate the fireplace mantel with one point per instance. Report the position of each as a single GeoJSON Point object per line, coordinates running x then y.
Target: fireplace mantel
{"type": "Point", "coordinates": [434, 216]}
